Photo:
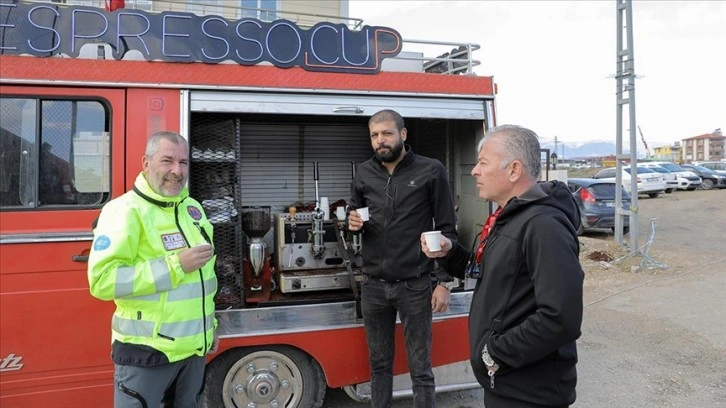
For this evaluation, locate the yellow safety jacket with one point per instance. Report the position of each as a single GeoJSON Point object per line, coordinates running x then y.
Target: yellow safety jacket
{"type": "Point", "coordinates": [134, 262]}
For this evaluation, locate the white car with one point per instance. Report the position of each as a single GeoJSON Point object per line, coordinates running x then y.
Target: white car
{"type": "Point", "coordinates": [648, 181]}
{"type": "Point", "coordinates": [670, 178]}
{"type": "Point", "coordinates": [687, 180]}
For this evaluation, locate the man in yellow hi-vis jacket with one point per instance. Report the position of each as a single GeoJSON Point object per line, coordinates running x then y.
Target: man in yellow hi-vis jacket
{"type": "Point", "coordinates": [153, 256]}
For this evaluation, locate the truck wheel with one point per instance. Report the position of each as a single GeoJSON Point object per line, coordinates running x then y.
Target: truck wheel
{"type": "Point", "coordinates": [272, 376]}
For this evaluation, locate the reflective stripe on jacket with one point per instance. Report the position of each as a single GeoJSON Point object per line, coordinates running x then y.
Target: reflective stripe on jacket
{"type": "Point", "coordinates": [134, 262]}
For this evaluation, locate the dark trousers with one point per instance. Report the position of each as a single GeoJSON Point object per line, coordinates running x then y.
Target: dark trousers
{"type": "Point", "coordinates": [144, 387]}
{"type": "Point", "coordinates": [412, 301]}
{"type": "Point", "coordinates": [495, 401]}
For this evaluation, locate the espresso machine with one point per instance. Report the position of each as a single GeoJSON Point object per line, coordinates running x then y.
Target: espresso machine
{"type": "Point", "coordinates": [308, 254]}
{"type": "Point", "coordinates": [256, 266]}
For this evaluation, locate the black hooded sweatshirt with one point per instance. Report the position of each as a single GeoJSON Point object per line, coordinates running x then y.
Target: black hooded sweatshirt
{"type": "Point", "coordinates": [527, 306]}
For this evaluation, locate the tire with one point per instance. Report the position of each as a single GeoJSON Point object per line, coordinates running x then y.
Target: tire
{"type": "Point", "coordinates": [269, 376]}
{"type": "Point", "coordinates": [580, 229]}
{"type": "Point", "coordinates": [653, 195]}
{"type": "Point", "coordinates": [669, 190]}
{"type": "Point", "coordinates": [706, 184]}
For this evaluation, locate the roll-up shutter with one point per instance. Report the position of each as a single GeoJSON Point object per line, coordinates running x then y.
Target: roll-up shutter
{"type": "Point", "coordinates": [277, 161]}
{"type": "Point", "coordinates": [338, 105]}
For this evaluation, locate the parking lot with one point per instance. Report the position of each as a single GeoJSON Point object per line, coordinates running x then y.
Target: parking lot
{"type": "Point", "coordinates": [655, 337]}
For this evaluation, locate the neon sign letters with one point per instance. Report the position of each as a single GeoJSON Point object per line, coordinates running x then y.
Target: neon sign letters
{"type": "Point", "coordinates": [46, 29]}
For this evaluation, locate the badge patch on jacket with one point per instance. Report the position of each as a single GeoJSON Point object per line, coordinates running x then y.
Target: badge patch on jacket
{"type": "Point", "coordinates": [102, 242]}
{"type": "Point", "coordinates": [194, 212]}
{"type": "Point", "coordinates": [173, 241]}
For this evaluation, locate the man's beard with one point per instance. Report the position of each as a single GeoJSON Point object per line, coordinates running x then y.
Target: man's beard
{"type": "Point", "coordinates": [391, 154]}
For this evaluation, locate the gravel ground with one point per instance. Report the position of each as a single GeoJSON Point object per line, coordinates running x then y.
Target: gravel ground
{"type": "Point", "coordinates": [654, 330]}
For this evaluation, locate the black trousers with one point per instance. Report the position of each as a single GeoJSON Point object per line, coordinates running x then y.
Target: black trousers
{"type": "Point", "coordinates": [495, 401]}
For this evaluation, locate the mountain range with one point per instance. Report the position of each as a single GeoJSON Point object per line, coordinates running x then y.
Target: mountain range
{"type": "Point", "coordinates": [572, 150]}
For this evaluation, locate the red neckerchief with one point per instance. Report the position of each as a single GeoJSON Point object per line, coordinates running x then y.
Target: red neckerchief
{"type": "Point", "coordinates": [486, 229]}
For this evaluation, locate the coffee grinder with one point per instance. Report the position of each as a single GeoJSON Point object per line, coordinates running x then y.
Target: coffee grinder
{"type": "Point", "coordinates": [256, 223]}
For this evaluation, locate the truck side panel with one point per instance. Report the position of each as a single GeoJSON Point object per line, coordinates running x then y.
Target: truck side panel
{"type": "Point", "coordinates": [55, 344]}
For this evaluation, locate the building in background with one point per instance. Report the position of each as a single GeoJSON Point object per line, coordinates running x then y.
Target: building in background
{"type": "Point", "coordinates": [668, 153]}
{"type": "Point", "coordinates": [706, 147]}
{"type": "Point", "coordinates": [302, 13]}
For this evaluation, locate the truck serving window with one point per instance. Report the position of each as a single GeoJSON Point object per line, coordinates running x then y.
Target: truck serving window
{"type": "Point", "coordinates": [53, 153]}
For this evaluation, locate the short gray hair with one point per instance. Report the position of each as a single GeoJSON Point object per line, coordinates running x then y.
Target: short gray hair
{"type": "Point", "coordinates": [152, 145]}
{"type": "Point", "coordinates": [519, 144]}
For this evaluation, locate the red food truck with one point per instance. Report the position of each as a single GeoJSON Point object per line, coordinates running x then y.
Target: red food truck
{"type": "Point", "coordinates": [276, 118]}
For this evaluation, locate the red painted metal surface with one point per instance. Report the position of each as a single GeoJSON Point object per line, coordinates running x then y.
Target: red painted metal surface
{"type": "Point", "coordinates": [232, 75]}
{"type": "Point", "coordinates": [44, 298]}
{"type": "Point", "coordinates": [343, 353]}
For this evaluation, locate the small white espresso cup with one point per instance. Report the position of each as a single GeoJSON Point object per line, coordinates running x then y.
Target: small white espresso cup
{"type": "Point", "coordinates": [363, 212]}
{"type": "Point", "coordinates": [433, 240]}
{"type": "Point", "coordinates": [340, 213]}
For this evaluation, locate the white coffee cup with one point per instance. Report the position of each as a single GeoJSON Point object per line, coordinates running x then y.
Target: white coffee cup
{"type": "Point", "coordinates": [363, 212]}
{"type": "Point", "coordinates": [325, 206]}
{"type": "Point", "coordinates": [340, 212]}
{"type": "Point", "coordinates": [433, 240]}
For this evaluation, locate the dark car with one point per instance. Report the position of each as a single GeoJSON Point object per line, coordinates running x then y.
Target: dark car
{"type": "Point", "coordinates": [596, 199]}
{"type": "Point", "coordinates": [709, 178]}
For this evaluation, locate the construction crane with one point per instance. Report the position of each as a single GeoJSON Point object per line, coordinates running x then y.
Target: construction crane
{"type": "Point", "coordinates": [647, 151]}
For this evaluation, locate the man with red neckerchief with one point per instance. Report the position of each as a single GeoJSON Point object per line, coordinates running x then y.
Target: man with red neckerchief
{"type": "Point", "coordinates": [526, 310]}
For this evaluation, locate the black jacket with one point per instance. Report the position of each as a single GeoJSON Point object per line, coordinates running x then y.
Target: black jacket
{"type": "Point", "coordinates": [527, 307]}
{"type": "Point", "coordinates": [414, 199]}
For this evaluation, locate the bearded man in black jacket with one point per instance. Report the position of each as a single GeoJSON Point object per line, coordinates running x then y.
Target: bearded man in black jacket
{"type": "Point", "coordinates": [406, 195]}
{"type": "Point", "coordinates": [526, 311]}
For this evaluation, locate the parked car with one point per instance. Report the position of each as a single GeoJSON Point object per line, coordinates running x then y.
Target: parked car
{"type": "Point", "coordinates": [648, 181]}
{"type": "Point", "coordinates": [670, 178]}
{"type": "Point", "coordinates": [709, 178]}
{"type": "Point", "coordinates": [717, 166]}
{"type": "Point", "coordinates": [687, 180]}
{"type": "Point", "coordinates": [596, 199]}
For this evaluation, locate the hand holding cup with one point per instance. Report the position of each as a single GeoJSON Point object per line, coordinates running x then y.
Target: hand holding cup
{"type": "Point", "coordinates": [434, 244]}
{"type": "Point", "coordinates": [356, 218]}
{"type": "Point", "coordinates": [195, 257]}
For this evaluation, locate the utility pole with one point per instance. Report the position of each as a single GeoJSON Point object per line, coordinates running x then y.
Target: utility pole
{"type": "Point", "coordinates": [625, 95]}
{"type": "Point", "coordinates": [555, 149]}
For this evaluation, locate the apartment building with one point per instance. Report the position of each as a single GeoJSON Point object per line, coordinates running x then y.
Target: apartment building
{"type": "Point", "coordinates": [706, 147]}
{"type": "Point", "coordinates": [301, 12]}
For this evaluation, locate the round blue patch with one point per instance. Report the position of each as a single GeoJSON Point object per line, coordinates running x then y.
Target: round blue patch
{"type": "Point", "coordinates": [194, 212]}
{"type": "Point", "coordinates": [102, 242]}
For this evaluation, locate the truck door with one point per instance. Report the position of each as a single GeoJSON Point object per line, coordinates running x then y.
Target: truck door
{"type": "Point", "coordinates": [62, 157]}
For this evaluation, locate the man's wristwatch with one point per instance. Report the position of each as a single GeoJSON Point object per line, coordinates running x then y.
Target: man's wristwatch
{"type": "Point", "coordinates": [489, 361]}
{"type": "Point", "coordinates": [447, 285]}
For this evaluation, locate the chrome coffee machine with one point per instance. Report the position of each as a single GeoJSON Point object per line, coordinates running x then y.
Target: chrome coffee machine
{"type": "Point", "coordinates": [308, 252]}
{"type": "Point", "coordinates": [257, 269]}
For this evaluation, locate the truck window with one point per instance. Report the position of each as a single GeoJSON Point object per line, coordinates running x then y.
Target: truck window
{"type": "Point", "coordinates": [54, 152]}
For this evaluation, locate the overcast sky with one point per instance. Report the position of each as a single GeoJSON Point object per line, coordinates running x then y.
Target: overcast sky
{"type": "Point", "coordinates": [553, 61]}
